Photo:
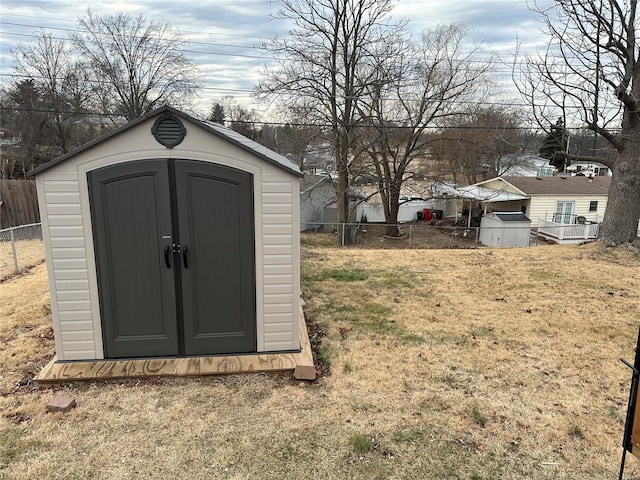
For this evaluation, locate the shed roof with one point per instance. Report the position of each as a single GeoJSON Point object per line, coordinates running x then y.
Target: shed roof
{"type": "Point", "coordinates": [227, 134]}
{"type": "Point", "coordinates": [512, 216]}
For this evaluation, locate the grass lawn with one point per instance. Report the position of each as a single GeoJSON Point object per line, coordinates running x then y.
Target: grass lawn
{"type": "Point", "coordinates": [444, 364]}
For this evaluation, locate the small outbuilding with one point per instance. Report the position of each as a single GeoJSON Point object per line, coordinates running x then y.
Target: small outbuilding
{"type": "Point", "coordinates": [171, 237]}
{"type": "Point", "coordinates": [505, 229]}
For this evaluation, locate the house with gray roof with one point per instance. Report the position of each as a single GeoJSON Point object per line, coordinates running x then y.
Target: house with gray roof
{"type": "Point", "coordinates": [562, 199]}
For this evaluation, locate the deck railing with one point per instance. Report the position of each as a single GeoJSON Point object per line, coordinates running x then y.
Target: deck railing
{"type": "Point", "coordinates": [568, 231]}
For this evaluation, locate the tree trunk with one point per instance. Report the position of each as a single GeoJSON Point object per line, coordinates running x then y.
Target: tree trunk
{"type": "Point", "coordinates": [342, 204]}
{"type": "Point", "coordinates": [392, 209]}
{"type": "Point", "coordinates": [623, 207]}
{"type": "Point", "coordinates": [392, 222]}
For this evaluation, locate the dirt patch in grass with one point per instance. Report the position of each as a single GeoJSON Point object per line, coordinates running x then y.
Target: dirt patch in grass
{"type": "Point", "coordinates": [483, 364]}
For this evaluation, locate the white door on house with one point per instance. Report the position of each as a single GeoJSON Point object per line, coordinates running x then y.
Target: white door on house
{"type": "Point", "coordinates": [565, 212]}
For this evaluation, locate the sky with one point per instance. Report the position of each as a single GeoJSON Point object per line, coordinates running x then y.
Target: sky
{"type": "Point", "coordinates": [223, 34]}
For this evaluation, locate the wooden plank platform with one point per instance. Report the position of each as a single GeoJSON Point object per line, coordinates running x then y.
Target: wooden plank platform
{"type": "Point", "coordinates": [300, 363]}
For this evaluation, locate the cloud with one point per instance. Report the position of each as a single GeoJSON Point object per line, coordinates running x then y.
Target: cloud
{"type": "Point", "coordinates": [223, 34]}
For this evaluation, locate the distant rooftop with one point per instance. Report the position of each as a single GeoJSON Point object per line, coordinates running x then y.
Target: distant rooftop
{"type": "Point", "coordinates": [561, 185]}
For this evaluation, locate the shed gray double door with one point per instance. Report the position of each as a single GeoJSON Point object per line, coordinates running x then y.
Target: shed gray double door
{"type": "Point", "coordinates": [174, 246]}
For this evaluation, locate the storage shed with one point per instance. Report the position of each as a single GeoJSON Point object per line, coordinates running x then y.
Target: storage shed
{"type": "Point", "coordinates": [171, 237]}
{"type": "Point", "coordinates": [505, 229]}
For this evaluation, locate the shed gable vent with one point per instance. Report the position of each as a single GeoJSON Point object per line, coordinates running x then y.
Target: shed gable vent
{"type": "Point", "coordinates": [168, 130]}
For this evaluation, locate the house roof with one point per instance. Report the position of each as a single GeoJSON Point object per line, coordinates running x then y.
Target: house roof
{"type": "Point", "coordinates": [310, 182]}
{"type": "Point", "coordinates": [560, 185]}
{"type": "Point", "coordinates": [227, 134]}
{"type": "Point", "coordinates": [488, 195]}
{"type": "Point", "coordinates": [521, 165]}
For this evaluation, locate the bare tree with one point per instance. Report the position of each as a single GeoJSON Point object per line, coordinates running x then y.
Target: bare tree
{"type": "Point", "coordinates": [483, 143]}
{"type": "Point", "coordinates": [589, 75]}
{"type": "Point", "coordinates": [239, 118]}
{"type": "Point", "coordinates": [137, 65]}
{"type": "Point", "coordinates": [292, 141]}
{"type": "Point", "coordinates": [420, 87]}
{"type": "Point", "coordinates": [23, 120]}
{"type": "Point", "coordinates": [323, 70]}
{"type": "Point", "coordinates": [63, 87]}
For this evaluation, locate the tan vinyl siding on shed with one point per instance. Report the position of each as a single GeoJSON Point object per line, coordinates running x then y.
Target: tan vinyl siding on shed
{"type": "Point", "coordinates": [61, 216]}
{"type": "Point", "coordinates": [279, 256]}
{"type": "Point", "coordinates": [68, 237]}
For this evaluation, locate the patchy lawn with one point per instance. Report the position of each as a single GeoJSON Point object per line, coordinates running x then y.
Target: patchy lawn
{"type": "Point", "coordinates": [461, 364]}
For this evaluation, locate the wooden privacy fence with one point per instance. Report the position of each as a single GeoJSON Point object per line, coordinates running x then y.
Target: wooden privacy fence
{"type": "Point", "coordinates": [18, 203]}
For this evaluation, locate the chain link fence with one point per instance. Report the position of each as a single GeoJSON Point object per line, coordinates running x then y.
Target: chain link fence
{"type": "Point", "coordinates": [20, 248]}
{"type": "Point", "coordinates": [417, 235]}
{"type": "Point", "coordinates": [378, 235]}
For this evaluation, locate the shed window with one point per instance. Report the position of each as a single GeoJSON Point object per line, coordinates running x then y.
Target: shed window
{"type": "Point", "coordinates": [593, 206]}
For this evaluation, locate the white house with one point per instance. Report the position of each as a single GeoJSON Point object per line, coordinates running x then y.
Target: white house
{"type": "Point", "coordinates": [563, 199]}
{"type": "Point", "coordinates": [589, 169]}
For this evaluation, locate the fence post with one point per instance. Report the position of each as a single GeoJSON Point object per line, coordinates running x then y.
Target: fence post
{"type": "Point", "coordinates": [13, 250]}
{"type": "Point", "coordinates": [409, 235]}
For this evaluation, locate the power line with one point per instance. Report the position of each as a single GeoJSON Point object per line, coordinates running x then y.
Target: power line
{"type": "Point", "coordinates": [98, 82]}
{"type": "Point", "coordinates": [492, 61]}
{"type": "Point", "coordinates": [199, 52]}
{"type": "Point", "coordinates": [297, 124]}
{"type": "Point", "coordinates": [249, 95]}
{"type": "Point", "coordinates": [75, 21]}
{"type": "Point", "coordinates": [77, 30]}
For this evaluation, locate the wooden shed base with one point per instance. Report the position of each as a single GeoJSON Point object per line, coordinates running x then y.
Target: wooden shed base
{"type": "Point", "coordinates": [301, 363]}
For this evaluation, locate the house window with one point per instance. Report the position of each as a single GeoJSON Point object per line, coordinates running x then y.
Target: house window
{"type": "Point", "coordinates": [593, 206]}
{"type": "Point", "coordinates": [564, 212]}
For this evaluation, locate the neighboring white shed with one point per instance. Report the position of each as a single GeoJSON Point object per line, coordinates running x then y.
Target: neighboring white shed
{"type": "Point", "coordinates": [505, 229]}
{"type": "Point", "coordinates": [171, 237]}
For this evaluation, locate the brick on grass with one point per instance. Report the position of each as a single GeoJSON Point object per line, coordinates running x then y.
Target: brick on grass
{"type": "Point", "coordinates": [60, 403]}
{"type": "Point", "coordinates": [305, 372]}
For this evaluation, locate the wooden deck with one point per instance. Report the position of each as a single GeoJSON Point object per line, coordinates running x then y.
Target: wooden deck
{"type": "Point", "coordinates": [300, 363]}
{"type": "Point", "coordinates": [568, 233]}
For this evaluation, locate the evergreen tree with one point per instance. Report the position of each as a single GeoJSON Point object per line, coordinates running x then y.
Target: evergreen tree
{"type": "Point", "coordinates": [554, 144]}
{"type": "Point", "coordinates": [217, 114]}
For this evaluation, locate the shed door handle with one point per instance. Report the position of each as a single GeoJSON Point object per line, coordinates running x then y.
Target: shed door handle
{"type": "Point", "coordinates": [185, 256]}
{"type": "Point", "coordinates": [167, 252]}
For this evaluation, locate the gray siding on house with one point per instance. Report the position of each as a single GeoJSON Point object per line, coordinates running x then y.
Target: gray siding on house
{"type": "Point", "coordinates": [316, 193]}
{"type": "Point", "coordinates": [67, 233]}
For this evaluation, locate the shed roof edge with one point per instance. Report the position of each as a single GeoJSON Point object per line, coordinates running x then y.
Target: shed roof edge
{"type": "Point", "coordinates": [220, 131]}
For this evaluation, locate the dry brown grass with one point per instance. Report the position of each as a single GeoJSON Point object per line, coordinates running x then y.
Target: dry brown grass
{"type": "Point", "coordinates": [469, 364]}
